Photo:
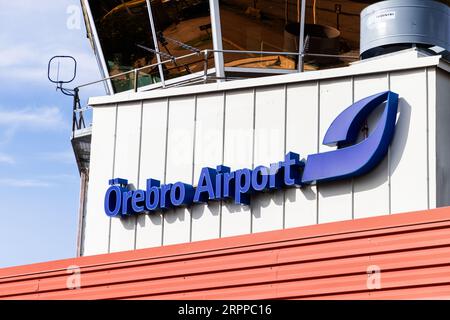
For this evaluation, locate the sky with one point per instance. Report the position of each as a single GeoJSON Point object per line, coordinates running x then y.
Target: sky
{"type": "Point", "coordinates": [39, 180]}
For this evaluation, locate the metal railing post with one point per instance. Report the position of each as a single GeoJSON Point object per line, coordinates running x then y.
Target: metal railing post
{"type": "Point", "coordinates": [155, 42]}
{"type": "Point", "coordinates": [205, 68]}
{"type": "Point", "coordinates": [301, 38]}
{"type": "Point", "coordinates": [136, 78]}
{"type": "Point", "coordinates": [74, 109]}
{"type": "Point", "coordinates": [216, 31]}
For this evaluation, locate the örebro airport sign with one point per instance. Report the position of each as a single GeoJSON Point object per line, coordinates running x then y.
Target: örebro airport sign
{"type": "Point", "coordinates": [350, 159]}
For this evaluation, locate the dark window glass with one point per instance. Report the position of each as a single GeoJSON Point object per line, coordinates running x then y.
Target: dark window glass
{"type": "Point", "coordinates": [124, 32]}
{"type": "Point", "coordinates": [259, 25]}
{"type": "Point", "coordinates": [332, 28]}
{"type": "Point", "coordinates": [183, 27]}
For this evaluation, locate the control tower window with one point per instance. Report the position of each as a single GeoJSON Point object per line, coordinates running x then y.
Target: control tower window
{"type": "Point", "coordinates": [258, 25]}
{"type": "Point", "coordinates": [124, 32]}
{"type": "Point", "coordinates": [182, 28]}
{"type": "Point", "coordinates": [332, 27]}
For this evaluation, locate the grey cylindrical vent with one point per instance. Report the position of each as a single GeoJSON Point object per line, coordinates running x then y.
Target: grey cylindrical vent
{"type": "Point", "coordinates": [395, 24]}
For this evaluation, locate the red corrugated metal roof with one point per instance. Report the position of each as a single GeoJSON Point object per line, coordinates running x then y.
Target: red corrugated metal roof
{"type": "Point", "coordinates": [322, 261]}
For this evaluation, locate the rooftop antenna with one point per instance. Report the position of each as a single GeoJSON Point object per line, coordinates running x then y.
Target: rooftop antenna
{"type": "Point", "coordinates": [70, 62]}
{"type": "Point", "coordinates": [60, 82]}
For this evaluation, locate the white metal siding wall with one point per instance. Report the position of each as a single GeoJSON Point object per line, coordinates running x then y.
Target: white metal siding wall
{"type": "Point", "coordinates": [238, 153]}
{"type": "Point", "coordinates": [335, 199]}
{"type": "Point", "coordinates": [179, 164]}
{"type": "Point", "coordinates": [375, 184]}
{"type": "Point", "coordinates": [154, 139]}
{"type": "Point", "coordinates": [97, 228]}
{"type": "Point", "coordinates": [208, 153]}
{"type": "Point", "coordinates": [267, 208]}
{"type": "Point", "coordinates": [409, 163]}
{"type": "Point", "coordinates": [126, 164]}
{"type": "Point", "coordinates": [172, 139]}
{"type": "Point", "coordinates": [302, 129]}
{"type": "Point", "coordinates": [442, 80]}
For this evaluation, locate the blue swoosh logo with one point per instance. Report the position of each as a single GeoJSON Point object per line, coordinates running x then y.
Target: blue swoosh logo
{"type": "Point", "coordinates": [357, 159]}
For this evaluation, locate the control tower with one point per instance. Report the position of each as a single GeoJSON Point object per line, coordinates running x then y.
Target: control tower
{"type": "Point", "coordinates": [144, 45]}
{"type": "Point", "coordinates": [170, 49]}
{"type": "Point", "coordinates": [260, 149]}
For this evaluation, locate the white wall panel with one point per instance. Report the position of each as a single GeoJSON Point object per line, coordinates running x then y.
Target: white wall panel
{"type": "Point", "coordinates": [126, 163]}
{"type": "Point", "coordinates": [408, 152]}
{"type": "Point", "coordinates": [180, 148]}
{"type": "Point", "coordinates": [375, 184]}
{"type": "Point", "coordinates": [335, 198]}
{"type": "Point", "coordinates": [238, 153]}
{"type": "Point", "coordinates": [442, 138]}
{"type": "Point", "coordinates": [97, 224]}
{"type": "Point", "coordinates": [432, 93]}
{"type": "Point", "coordinates": [152, 165]}
{"type": "Point", "coordinates": [208, 153]}
{"type": "Point", "coordinates": [301, 137]}
{"type": "Point", "coordinates": [270, 106]}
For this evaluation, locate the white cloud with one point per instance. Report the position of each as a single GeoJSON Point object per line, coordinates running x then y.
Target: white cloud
{"type": "Point", "coordinates": [36, 119]}
{"type": "Point", "coordinates": [4, 158]}
{"type": "Point", "coordinates": [59, 178]}
{"type": "Point", "coordinates": [7, 134]}
{"type": "Point", "coordinates": [24, 183]}
{"type": "Point", "coordinates": [17, 55]}
{"type": "Point", "coordinates": [65, 157]}
{"type": "Point", "coordinates": [26, 47]}
{"type": "Point", "coordinates": [43, 118]}
{"type": "Point", "coordinates": [28, 63]}
{"type": "Point", "coordinates": [44, 181]}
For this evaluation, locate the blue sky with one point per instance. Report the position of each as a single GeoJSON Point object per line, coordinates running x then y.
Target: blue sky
{"type": "Point", "coordinates": [39, 181]}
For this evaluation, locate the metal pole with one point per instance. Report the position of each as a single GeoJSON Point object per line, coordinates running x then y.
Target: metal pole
{"type": "Point", "coordinates": [84, 175]}
{"type": "Point", "coordinates": [205, 68]}
{"type": "Point", "coordinates": [155, 43]}
{"type": "Point", "coordinates": [301, 49]}
{"type": "Point", "coordinates": [216, 32]}
{"type": "Point", "coordinates": [135, 80]}
{"type": "Point", "coordinates": [98, 46]}
{"type": "Point", "coordinates": [74, 109]}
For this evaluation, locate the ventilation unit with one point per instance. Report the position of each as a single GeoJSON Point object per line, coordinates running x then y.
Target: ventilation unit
{"type": "Point", "coordinates": [394, 25]}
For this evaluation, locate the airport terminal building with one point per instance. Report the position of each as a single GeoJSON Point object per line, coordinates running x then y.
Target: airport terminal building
{"type": "Point", "coordinates": [264, 149]}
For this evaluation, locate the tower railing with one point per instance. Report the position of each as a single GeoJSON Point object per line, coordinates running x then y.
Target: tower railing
{"type": "Point", "coordinates": [199, 77]}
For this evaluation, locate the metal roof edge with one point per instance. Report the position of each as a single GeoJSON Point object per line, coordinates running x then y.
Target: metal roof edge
{"type": "Point", "coordinates": [312, 233]}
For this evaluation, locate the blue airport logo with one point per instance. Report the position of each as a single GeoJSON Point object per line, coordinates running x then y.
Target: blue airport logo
{"type": "Point", "coordinates": [350, 159]}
